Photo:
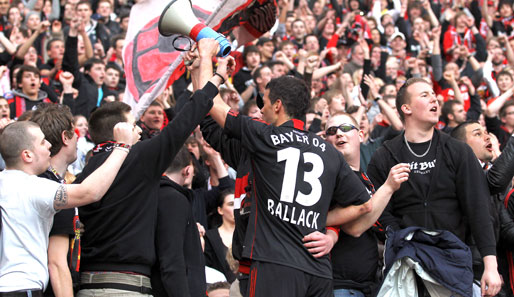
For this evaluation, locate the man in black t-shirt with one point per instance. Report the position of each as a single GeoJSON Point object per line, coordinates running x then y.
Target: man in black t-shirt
{"type": "Point", "coordinates": [354, 260]}
{"type": "Point", "coordinates": [446, 184]}
{"type": "Point", "coordinates": [56, 122]}
{"type": "Point", "coordinates": [297, 177]}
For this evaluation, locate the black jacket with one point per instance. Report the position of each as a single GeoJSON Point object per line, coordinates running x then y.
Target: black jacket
{"type": "Point", "coordinates": [180, 270]}
{"type": "Point", "coordinates": [236, 157]}
{"type": "Point", "coordinates": [458, 196]}
{"type": "Point", "coordinates": [121, 227]}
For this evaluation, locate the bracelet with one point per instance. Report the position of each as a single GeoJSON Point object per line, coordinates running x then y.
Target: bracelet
{"type": "Point", "coordinates": [222, 79]}
{"type": "Point", "coordinates": [378, 98]}
{"type": "Point", "coordinates": [122, 146]}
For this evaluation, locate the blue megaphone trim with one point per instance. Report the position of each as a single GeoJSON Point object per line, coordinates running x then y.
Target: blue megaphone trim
{"type": "Point", "coordinates": [225, 47]}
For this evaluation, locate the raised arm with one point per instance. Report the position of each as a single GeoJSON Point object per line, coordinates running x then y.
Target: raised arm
{"type": "Point", "coordinates": [220, 109]}
{"type": "Point", "coordinates": [397, 175]}
{"type": "Point", "coordinates": [494, 108]}
{"type": "Point", "coordinates": [24, 48]}
{"type": "Point", "coordinates": [94, 187]}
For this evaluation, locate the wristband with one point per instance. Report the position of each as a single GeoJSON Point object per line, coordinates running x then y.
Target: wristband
{"type": "Point", "coordinates": [336, 230]}
{"type": "Point", "coordinates": [222, 79]}
{"type": "Point", "coordinates": [122, 146]}
{"type": "Point", "coordinates": [378, 98]}
{"type": "Point", "coordinates": [122, 149]}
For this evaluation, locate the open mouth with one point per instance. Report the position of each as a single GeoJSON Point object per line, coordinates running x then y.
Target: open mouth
{"type": "Point", "coordinates": [340, 143]}
{"type": "Point", "coordinates": [433, 109]}
{"type": "Point", "coordinates": [489, 147]}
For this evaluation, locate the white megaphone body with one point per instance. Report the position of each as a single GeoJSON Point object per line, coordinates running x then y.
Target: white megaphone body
{"type": "Point", "coordinates": [178, 18]}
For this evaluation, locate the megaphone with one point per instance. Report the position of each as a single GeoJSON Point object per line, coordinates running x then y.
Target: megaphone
{"type": "Point", "coordinates": [178, 18]}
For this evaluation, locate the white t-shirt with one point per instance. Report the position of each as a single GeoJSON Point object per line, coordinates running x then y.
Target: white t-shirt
{"type": "Point", "coordinates": [27, 218]}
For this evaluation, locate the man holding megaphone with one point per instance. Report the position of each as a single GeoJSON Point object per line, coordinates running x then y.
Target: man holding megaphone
{"type": "Point", "coordinates": [118, 253]}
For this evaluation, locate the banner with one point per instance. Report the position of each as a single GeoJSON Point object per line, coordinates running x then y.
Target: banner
{"type": "Point", "coordinates": [151, 61]}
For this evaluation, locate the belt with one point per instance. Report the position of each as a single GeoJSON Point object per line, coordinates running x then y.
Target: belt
{"type": "Point", "coordinates": [124, 287]}
{"type": "Point", "coordinates": [28, 293]}
{"type": "Point", "coordinates": [115, 280]}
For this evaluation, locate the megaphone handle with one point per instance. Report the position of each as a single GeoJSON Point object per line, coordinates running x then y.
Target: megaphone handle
{"type": "Point", "coordinates": [201, 31]}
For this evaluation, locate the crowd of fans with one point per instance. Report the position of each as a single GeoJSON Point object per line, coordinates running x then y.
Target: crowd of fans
{"type": "Point", "coordinates": [354, 54]}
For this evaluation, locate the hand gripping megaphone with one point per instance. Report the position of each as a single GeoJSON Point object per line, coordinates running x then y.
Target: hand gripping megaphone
{"type": "Point", "coordinates": [178, 18]}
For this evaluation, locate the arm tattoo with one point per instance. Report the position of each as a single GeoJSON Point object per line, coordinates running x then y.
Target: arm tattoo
{"type": "Point", "coordinates": [61, 197]}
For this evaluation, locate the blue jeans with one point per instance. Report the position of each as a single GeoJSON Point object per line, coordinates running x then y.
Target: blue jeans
{"type": "Point", "coordinates": [347, 293]}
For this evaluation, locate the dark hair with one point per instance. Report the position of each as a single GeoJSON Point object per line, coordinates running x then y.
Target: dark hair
{"type": "Point", "coordinates": [459, 132]}
{"type": "Point", "coordinates": [26, 116]}
{"type": "Point", "coordinates": [218, 286]}
{"type": "Point", "coordinates": [14, 139]}
{"type": "Point", "coordinates": [217, 219]}
{"type": "Point", "coordinates": [257, 72]}
{"type": "Point", "coordinates": [248, 105]}
{"type": "Point", "coordinates": [504, 2]}
{"type": "Point", "coordinates": [192, 139]}
{"type": "Point", "coordinates": [382, 89]}
{"type": "Point", "coordinates": [402, 97]}
{"type": "Point", "coordinates": [272, 63]}
{"type": "Point", "coordinates": [181, 160]}
{"type": "Point", "coordinates": [84, 2]}
{"type": "Point", "coordinates": [12, 71]}
{"type": "Point", "coordinates": [223, 195]}
{"type": "Point", "coordinates": [447, 109]}
{"type": "Point", "coordinates": [53, 119]}
{"type": "Point", "coordinates": [248, 50]}
{"type": "Point", "coordinates": [116, 38]}
{"type": "Point", "coordinates": [104, 119]}
{"type": "Point", "coordinates": [504, 73]}
{"type": "Point", "coordinates": [124, 15]}
{"type": "Point", "coordinates": [293, 93]}
{"type": "Point", "coordinates": [503, 110]}
{"type": "Point", "coordinates": [52, 41]}
{"type": "Point", "coordinates": [284, 43]}
{"type": "Point", "coordinates": [115, 67]}
{"type": "Point", "coordinates": [90, 62]}
{"type": "Point", "coordinates": [23, 69]}
{"type": "Point", "coordinates": [154, 103]}
{"type": "Point", "coordinates": [309, 35]}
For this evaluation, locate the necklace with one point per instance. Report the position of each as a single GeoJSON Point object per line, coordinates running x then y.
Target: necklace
{"type": "Point", "coordinates": [412, 152]}
{"type": "Point", "coordinates": [56, 174]}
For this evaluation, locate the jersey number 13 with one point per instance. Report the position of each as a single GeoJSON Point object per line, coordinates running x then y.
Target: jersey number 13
{"type": "Point", "coordinates": [292, 157]}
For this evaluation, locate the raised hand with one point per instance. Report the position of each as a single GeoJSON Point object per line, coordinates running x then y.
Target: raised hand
{"type": "Point", "coordinates": [398, 175]}
{"type": "Point", "coordinates": [208, 48]}
{"type": "Point", "coordinates": [226, 66]}
{"type": "Point", "coordinates": [123, 133]}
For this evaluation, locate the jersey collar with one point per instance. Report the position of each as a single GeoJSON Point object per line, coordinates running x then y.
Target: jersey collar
{"type": "Point", "coordinates": [295, 123]}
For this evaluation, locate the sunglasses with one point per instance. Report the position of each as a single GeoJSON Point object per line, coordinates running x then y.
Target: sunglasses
{"type": "Point", "coordinates": [344, 128]}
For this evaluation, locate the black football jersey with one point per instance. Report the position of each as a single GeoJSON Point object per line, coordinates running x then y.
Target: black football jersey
{"type": "Point", "coordinates": [297, 176]}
